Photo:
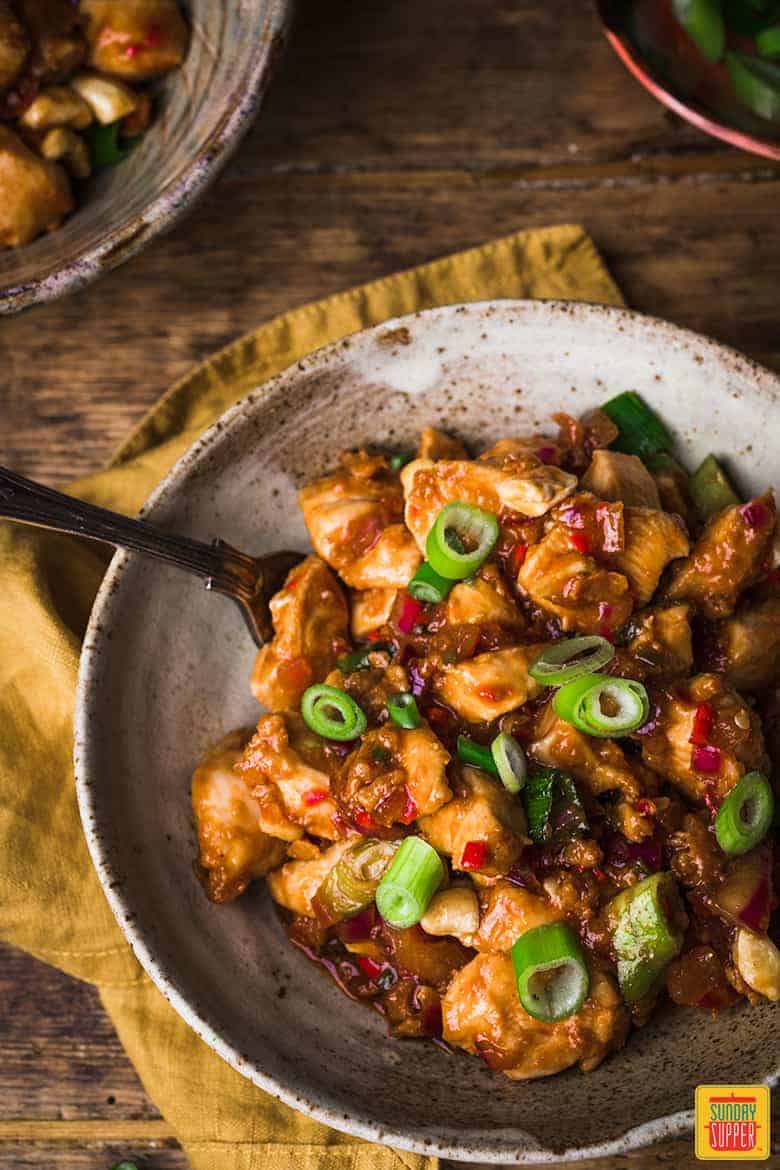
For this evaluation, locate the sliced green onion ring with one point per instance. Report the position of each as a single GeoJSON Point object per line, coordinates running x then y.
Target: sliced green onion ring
{"type": "Point", "coordinates": [581, 703]}
{"type": "Point", "coordinates": [710, 489]}
{"type": "Point", "coordinates": [641, 431]}
{"type": "Point", "coordinates": [427, 586]}
{"type": "Point", "coordinates": [552, 978]}
{"type": "Point", "coordinates": [359, 659]}
{"type": "Point", "coordinates": [648, 923]}
{"type": "Point", "coordinates": [403, 710]}
{"type": "Point", "coordinates": [332, 713]}
{"type": "Point", "coordinates": [476, 755]}
{"type": "Point", "coordinates": [745, 816]}
{"type": "Point", "coordinates": [756, 82]}
{"type": "Point", "coordinates": [509, 759]}
{"type": "Point", "coordinates": [352, 883]}
{"type": "Point", "coordinates": [768, 41]}
{"type": "Point", "coordinates": [461, 539]}
{"type": "Point", "coordinates": [570, 658]}
{"type": "Point", "coordinates": [414, 876]}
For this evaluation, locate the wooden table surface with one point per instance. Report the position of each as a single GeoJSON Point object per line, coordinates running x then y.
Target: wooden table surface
{"type": "Point", "coordinates": [395, 133]}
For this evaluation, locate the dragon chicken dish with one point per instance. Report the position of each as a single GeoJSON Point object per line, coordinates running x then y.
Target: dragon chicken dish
{"type": "Point", "coordinates": [514, 782]}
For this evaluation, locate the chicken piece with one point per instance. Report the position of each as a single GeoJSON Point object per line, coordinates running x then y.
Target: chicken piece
{"type": "Point", "coordinates": [353, 516]}
{"type": "Point", "coordinates": [482, 688]}
{"type": "Point", "coordinates": [748, 646]}
{"type": "Point", "coordinates": [694, 856]}
{"type": "Point", "coordinates": [727, 558]}
{"type": "Point", "coordinates": [672, 484]}
{"type": "Point", "coordinates": [296, 882]}
{"type": "Point", "coordinates": [521, 483]}
{"type": "Point", "coordinates": [599, 764]}
{"type": "Point", "coordinates": [371, 608]}
{"type": "Point", "coordinates": [286, 767]}
{"type": "Point", "coordinates": [372, 686]}
{"type": "Point", "coordinates": [438, 445]}
{"type": "Point", "coordinates": [579, 438]}
{"type": "Point", "coordinates": [482, 1014]}
{"type": "Point", "coordinates": [394, 776]}
{"type": "Point", "coordinates": [35, 194]}
{"type": "Point", "coordinates": [311, 630]}
{"type": "Point", "coordinates": [662, 641]}
{"type": "Point", "coordinates": [485, 598]}
{"type": "Point", "coordinates": [652, 540]}
{"type": "Point", "coordinates": [540, 446]}
{"type": "Point", "coordinates": [734, 744]}
{"type": "Point", "coordinates": [568, 574]}
{"type": "Point", "coordinates": [429, 960]}
{"type": "Point", "coordinates": [14, 46]}
{"type": "Point", "coordinates": [59, 43]}
{"type": "Point", "coordinates": [135, 39]}
{"type": "Point", "coordinates": [482, 828]}
{"type": "Point", "coordinates": [233, 847]}
{"type": "Point", "coordinates": [614, 476]}
{"type": "Point", "coordinates": [507, 911]}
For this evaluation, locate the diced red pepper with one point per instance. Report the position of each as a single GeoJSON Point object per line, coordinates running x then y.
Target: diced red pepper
{"type": "Point", "coordinates": [754, 514]}
{"type": "Point", "coordinates": [364, 821]}
{"type": "Point", "coordinates": [707, 760]}
{"type": "Point", "coordinates": [644, 808]}
{"type": "Point", "coordinates": [315, 796]}
{"type": "Point", "coordinates": [580, 542]}
{"type": "Point", "coordinates": [518, 556]}
{"type": "Point", "coordinates": [409, 616]}
{"type": "Point", "coordinates": [474, 854]}
{"type": "Point", "coordinates": [410, 809]}
{"type": "Point", "coordinates": [369, 966]}
{"type": "Point", "coordinates": [702, 724]}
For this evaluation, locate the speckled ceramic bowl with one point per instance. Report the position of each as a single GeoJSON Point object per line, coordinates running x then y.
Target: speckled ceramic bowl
{"type": "Point", "coordinates": [205, 108]}
{"type": "Point", "coordinates": [165, 673]}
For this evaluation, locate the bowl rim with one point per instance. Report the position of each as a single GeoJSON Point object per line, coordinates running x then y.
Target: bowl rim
{"type": "Point", "coordinates": [712, 126]}
{"type": "Point", "coordinates": [88, 782]}
{"type": "Point", "coordinates": [179, 195]}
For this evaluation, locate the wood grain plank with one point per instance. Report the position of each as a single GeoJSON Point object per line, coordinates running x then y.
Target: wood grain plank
{"type": "Point", "coordinates": [154, 1155]}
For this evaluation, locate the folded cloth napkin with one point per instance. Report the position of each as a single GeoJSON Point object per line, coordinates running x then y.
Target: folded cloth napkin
{"type": "Point", "coordinates": [50, 901]}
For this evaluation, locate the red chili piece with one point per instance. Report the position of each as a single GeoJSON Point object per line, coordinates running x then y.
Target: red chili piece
{"type": "Point", "coordinates": [706, 760]}
{"type": "Point", "coordinates": [411, 609]}
{"type": "Point", "coordinates": [580, 542]}
{"type": "Point", "coordinates": [473, 856]}
{"type": "Point", "coordinates": [410, 809]}
{"type": "Point", "coordinates": [754, 514]}
{"type": "Point", "coordinates": [518, 556]}
{"type": "Point", "coordinates": [364, 820]}
{"type": "Point", "coordinates": [702, 724]}
{"type": "Point", "coordinates": [315, 796]}
{"type": "Point", "coordinates": [369, 966]}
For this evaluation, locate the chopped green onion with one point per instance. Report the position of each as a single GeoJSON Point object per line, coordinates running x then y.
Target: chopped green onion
{"type": "Point", "coordinates": [413, 878]}
{"type": "Point", "coordinates": [703, 22]}
{"type": "Point", "coordinates": [403, 710]}
{"type": "Point", "coordinates": [641, 431]}
{"type": "Point", "coordinates": [352, 883]}
{"type": "Point", "coordinates": [710, 489]}
{"type": "Point", "coordinates": [124, 1166]}
{"type": "Point", "coordinates": [581, 703]}
{"type": "Point", "coordinates": [359, 659]}
{"type": "Point", "coordinates": [105, 146]}
{"type": "Point", "coordinates": [647, 923]}
{"type": "Point", "coordinates": [509, 759]}
{"type": "Point", "coordinates": [427, 586]}
{"type": "Point", "coordinates": [552, 978]}
{"type": "Point", "coordinates": [332, 713]}
{"type": "Point", "coordinates": [568, 659]}
{"type": "Point", "coordinates": [768, 41]}
{"type": "Point", "coordinates": [553, 808]}
{"type": "Point", "coordinates": [461, 539]}
{"type": "Point", "coordinates": [745, 816]}
{"type": "Point", "coordinates": [476, 755]}
{"type": "Point", "coordinates": [400, 459]}
{"type": "Point", "coordinates": [756, 83]}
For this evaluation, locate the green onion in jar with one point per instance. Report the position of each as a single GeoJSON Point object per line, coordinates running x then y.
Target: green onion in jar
{"type": "Point", "coordinates": [352, 883]}
{"type": "Point", "coordinates": [332, 713]}
{"type": "Point", "coordinates": [566, 660]}
{"type": "Point", "coordinates": [552, 977]}
{"type": "Point", "coordinates": [745, 816]}
{"type": "Point", "coordinates": [414, 876]}
{"type": "Point", "coordinates": [647, 922]}
{"type": "Point", "coordinates": [460, 541]}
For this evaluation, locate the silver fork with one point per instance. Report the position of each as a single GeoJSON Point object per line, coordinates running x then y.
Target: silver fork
{"type": "Point", "coordinates": [249, 581]}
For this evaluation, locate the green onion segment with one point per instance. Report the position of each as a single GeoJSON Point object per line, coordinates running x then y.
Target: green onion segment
{"type": "Point", "coordinates": [427, 586]}
{"type": "Point", "coordinates": [332, 713]}
{"type": "Point", "coordinates": [476, 755]}
{"type": "Point", "coordinates": [400, 459]}
{"type": "Point", "coordinates": [710, 489]}
{"type": "Point", "coordinates": [414, 876]}
{"type": "Point", "coordinates": [581, 703]}
{"type": "Point", "coordinates": [553, 808]}
{"type": "Point", "coordinates": [746, 815]}
{"type": "Point", "coordinates": [647, 922]}
{"type": "Point", "coordinates": [571, 657]}
{"type": "Point", "coordinates": [461, 539]}
{"type": "Point", "coordinates": [352, 883]}
{"type": "Point", "coordinates": [641, 431]}
{"type": "Point", "coordinates": [105, 146]}
{"type": "Point", "coordinates": [756, 83]}
{"type": "Point", "coordinates": [403, 710]}
{"type": "Point", "coordinates": [359, 660]}
{"type": "Point", "coordinates": [768, 41]}
{"type": "Point", "coordinates": [703, 22]}
{"type": "Point", "coordinates": [509, 759]}
{"type": "Point", "coordinates": [552, 978]}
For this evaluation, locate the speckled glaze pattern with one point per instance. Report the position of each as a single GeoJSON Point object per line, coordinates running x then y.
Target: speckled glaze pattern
{"type": "Point", "coordinates": [164, 673]}
{"type": "Point", "coordinates": [204, 109]}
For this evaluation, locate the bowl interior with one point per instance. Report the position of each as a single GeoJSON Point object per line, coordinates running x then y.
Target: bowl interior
{"type": "Point", "coordinates": [202, 109]}
{"type": "Point", "coordinates": [653, 46]}
{"type": "Point", "coordinates": [162, 653]}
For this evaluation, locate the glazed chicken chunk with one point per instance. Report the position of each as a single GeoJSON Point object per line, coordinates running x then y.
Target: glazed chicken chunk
{"type": "Point", "coordinates": [480, 828]}
{"type": "Point", "coordinates": [487, 686]}
{"type": "Point", "coordinates": [748, 646]}
{"type": "Point", "coordinates": [14, 45]}
{"type": "Point", "coordinates": [615, 476]}
{"type": "Point", "coordinates": [35, 194]}
{"type": "Point", "coordinates": [395, 775]}
{"type": "Point", "coordinates": [135, 39]}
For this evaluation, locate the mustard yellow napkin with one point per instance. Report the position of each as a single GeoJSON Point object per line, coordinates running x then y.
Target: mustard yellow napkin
{"type": "Point", "coordinates": [50, 901]}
